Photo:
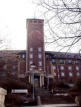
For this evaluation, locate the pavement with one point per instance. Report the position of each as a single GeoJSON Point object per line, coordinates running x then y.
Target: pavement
{"type": "Point", "coordinates": [45, 100]}
{"type": "Point", "coordinates": [56, 105]}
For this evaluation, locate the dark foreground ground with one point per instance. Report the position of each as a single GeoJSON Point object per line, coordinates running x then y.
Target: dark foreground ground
{"type": "Point", "coordinates": [48, 99]}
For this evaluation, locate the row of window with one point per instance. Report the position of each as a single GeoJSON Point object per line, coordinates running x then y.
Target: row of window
{"type": "Point", "coordinates": [39, 49]}
{"type": "Point", "coordinates": [39, 63]}
{"type": "Point", "coordinates": [61, 61]}
{"type": "Point", "coordinates": [70, 74]}
{"type": "Point", "coordinates": [31, 55]}
{"type": "Point", "coordinates": [69, 67]}
{"type": "Point", "coordinates": [40, 69]}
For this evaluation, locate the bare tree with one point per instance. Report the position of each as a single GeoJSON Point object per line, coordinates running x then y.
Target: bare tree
{"type": "Point", "coordinates": [63, 18]}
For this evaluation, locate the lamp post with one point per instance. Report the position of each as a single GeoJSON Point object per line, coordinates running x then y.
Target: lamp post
{"type": "Point", "coordinates": [33, 67]}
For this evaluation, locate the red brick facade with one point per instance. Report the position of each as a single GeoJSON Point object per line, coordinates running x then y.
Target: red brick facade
{"type": "Point", "coordinates": [35, 44]}
{"type": "Point", "coordinates": [66, 67]}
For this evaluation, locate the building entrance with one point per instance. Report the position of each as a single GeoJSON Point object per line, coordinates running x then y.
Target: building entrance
{"type": "Point", "coordinates": [37, 81]}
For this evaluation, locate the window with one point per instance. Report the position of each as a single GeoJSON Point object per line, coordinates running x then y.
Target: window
{"type": "Point", "coordinates": [30, 69]}
{"type": "Point", "coordinates": [53, 61]}
{"type": "Point", "coordinates": [61, 67]}
{"type": "Point", "coordinates": [69, 61]}
{"type": "Point", "coordinates": [61, 61]}
{"type": "Point", "coordinates": [30, 62]}
{"type": "Point", "coordinates": [39, 55]}
{"type": "Point", "coordinates": [23, 56]}
{"type": "Point", "coordinates": [31, 49]}
{"type": "Point", "coordinates": [39, 49]}
{"type": "Point", "coordinates": [40, 63]}
{"type": "Point", "coordinates": [77, 68]}
{"type": "Point", "coordinates": [69, 67]}
{"type": "Point", "coordinates": [40, 69]}
{"type": "Point", "coordinates": [54, 67]}
{"type": "Point", "coordinates": [70, 74]}
{"type": "Point", "coordinates": [78, 73]}
{"type": "Point", "coordinates": [30, 56]}
{"type": "Point", "coordinates": [62, 74]}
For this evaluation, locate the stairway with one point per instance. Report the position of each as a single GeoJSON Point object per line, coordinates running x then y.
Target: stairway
{"type": "Point", "coordinates": [47, 98]}
{"type": "Point", "coordinates": [42, 92]}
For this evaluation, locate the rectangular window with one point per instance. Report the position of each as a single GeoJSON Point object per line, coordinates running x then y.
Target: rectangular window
{"type": "Point", "coordinates": [40, 69]}
{"type": "Point", "coordinates": [23, 56]}
{"type": "Point", "coordinates": [69, 61]}
{"type": "Point", "coordinates": [39, 55]}
{"type": "Point", "coordinates": [30, 56]}
{"type": "Point", "coordinates": [30, 69]}
{"type": "Point", "coordinates": [31, 49]}
{"type": "Point", "coordinates": [30, 62]}
{"type": "Point", "coordinates": [39, 49]}
{"type": "Point", "coordinates": [53, 61]}
{"type": "Point", "coordinates": [40, 63]}
{"type": "Point", "coordinates": [61, 61]}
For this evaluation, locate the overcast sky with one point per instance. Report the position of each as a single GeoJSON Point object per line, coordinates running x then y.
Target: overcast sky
{"type": "Point", "coordinates": [13, 15]}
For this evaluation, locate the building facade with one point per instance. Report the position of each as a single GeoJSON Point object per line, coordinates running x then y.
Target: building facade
{"type": "Point", "coordinates": [35, 60]}
{"type": "Point", "coordinates": [38, 64]}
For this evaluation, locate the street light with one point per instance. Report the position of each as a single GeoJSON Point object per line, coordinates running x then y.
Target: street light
{"type": "Point", "coordinates": [33, 67]}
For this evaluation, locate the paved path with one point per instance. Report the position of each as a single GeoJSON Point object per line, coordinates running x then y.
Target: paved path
{"type": "Point", "coordinates": [55, 105]}
{"type": "Point", "coordinates": [59, 105]}
{"type": "Point", "coordinates": [48, 100]}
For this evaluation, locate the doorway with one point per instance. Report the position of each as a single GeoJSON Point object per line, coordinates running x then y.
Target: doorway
{"type": "Point", "coordinates": [37, 81]}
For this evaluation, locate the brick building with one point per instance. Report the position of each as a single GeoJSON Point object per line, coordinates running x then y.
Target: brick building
{"type": "Point", "coordinates": [38, 64]}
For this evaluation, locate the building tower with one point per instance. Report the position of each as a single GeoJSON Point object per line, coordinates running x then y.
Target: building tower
{"type": "Point", "coordinates": [35, 60]}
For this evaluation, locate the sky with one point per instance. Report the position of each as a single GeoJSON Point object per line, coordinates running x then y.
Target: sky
{"type": "Point", "coordinates": [13, 15]}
